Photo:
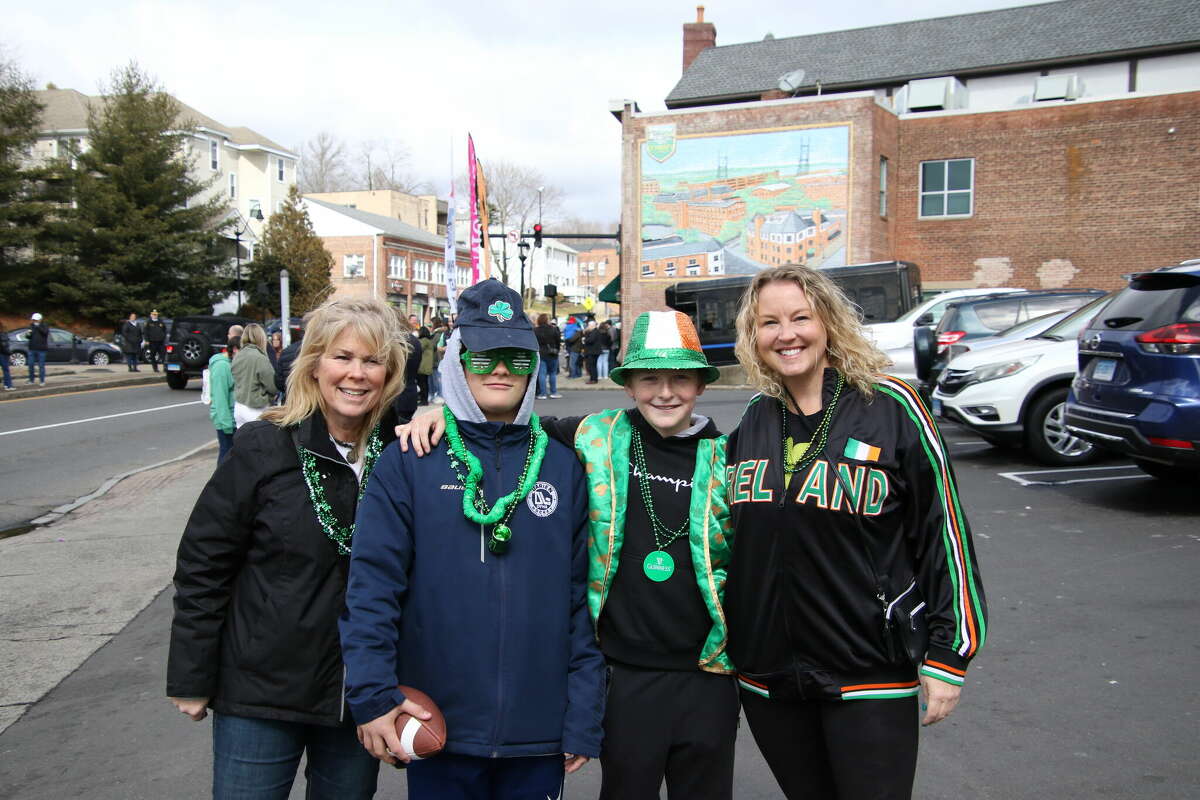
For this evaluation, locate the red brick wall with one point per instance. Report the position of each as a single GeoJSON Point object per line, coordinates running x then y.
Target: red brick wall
{"type": "Point", "coordinates": [1103, 188]}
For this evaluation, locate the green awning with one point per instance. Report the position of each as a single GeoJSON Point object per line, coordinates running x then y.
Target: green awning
{"type": "Point", "coordinates": [611, 293]}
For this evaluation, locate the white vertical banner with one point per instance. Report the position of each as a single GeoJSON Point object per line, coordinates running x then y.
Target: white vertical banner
{"type": "Point", "coordinates": [451, 247]}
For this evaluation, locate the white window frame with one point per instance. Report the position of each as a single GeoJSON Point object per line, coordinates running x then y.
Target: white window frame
{"type": "Point", "coordinates": [279, 170]}
{"type": "Point", "coordinates": [945, 191]}
{"type": "Point", "coordinates": [883, 176]}
{"type": "Point", "coordinates": [233, 186]}
{"type": "Point", "coordinates": [397, 266]}
{"type": "Point", "coordinates": [214, 155]}
{"type": "Point", "coordinates": [354, 265]}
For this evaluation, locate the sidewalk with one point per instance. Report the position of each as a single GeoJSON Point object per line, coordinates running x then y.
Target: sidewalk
{"type": "Point", "coordinates": [63, 378]}
{"type": "Point", "coordinates": [71, 586]}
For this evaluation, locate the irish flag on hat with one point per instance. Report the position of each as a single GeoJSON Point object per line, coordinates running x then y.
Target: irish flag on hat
{"type": "Point", "coordinates": [664, 340]}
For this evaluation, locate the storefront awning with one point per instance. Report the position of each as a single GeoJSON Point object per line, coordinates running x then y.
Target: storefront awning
{"type": "Point", "coordinates": [611, 293]}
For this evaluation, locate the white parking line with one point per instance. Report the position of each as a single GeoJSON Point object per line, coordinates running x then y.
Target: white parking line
{"type": "Point", "coordinates": [97, 419]}
{"type": "Point", "coordinates": [1016, 476]}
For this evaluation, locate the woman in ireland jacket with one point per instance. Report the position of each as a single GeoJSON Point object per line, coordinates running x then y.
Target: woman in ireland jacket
{"type": "Point", "coordinates": [854, 582]}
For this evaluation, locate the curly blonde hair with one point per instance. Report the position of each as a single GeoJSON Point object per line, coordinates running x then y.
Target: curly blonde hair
{"type": "Point", "coordinates": [380, 329]}
{"type": "Point", "coordinates": [848, 349]}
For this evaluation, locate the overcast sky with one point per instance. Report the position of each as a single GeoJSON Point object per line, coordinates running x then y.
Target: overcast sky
{"type": "Point", "coordinates": [530, 80]}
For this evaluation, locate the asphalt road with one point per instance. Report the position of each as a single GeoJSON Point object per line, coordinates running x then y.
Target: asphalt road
{"type": "Point", "coordinates": [1085, 687]}
{"type": "Point", "coordinates": [58, 448]}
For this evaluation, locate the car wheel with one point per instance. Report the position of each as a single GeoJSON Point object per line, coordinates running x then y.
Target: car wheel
{"type": "Point", "coordinates": [100, 358]}
{"type": "Point", "coordinates": [176, 381]}
{"type": "Point", "coordinates": [17, 360]}
{"type": "Point", "coordinates": [1047, 437]}
{"type": "Point", "coordinates": [194, 350]}
{"type": "Point", "coordinates": [1179, 476]}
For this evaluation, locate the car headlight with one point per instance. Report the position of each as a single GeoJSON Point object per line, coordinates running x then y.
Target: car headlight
{"type": "Point", "coordinates": [1002, 369]}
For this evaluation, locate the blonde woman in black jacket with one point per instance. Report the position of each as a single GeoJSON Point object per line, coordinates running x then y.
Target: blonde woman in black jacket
{"type": "Point", "coordinates": [261, 572]}
{"type": "Point", "coordinates": [854, 587]}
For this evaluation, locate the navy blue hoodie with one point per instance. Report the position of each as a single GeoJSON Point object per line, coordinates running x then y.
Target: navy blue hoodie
{"type": "Point", "coordinates": [503, 644]}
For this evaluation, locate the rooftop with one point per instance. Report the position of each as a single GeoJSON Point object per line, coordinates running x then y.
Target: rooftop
{"type": "Point", "coordinates": [1024, 37]}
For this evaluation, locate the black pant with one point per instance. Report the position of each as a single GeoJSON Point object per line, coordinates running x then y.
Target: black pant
{"type": "Point", "coordinates": [422, 389]}
{"type": "Point", "coordinates": [677, 725]}
{"type": "Point", "coordinates": [593, 373]}
{"type": "Point", "coordinates": [158, 354]}
{"type": "Point", "coordinates": [837, 749]}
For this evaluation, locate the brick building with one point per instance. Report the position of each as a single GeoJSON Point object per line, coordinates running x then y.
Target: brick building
{"type": "Point", "coordinates": [1039, 146]}
{"type": "Point", "coordinates": [382, 257]}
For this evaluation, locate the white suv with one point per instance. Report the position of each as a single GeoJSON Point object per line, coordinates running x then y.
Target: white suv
{"type": "Point", "coordinates": [1016, 393]}
{"type": "Point", "coordinates": [896, 338]}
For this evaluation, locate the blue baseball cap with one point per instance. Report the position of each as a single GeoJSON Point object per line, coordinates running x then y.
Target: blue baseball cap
{"type": "Point", "coordinates": [491, 316]}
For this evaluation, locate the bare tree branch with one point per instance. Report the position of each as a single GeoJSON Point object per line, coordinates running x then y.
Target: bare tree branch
{"type": "Point", "coordinates": [323, 165]}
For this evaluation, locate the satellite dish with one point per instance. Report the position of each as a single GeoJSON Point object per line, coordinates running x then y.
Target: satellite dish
{"type": "Point", "coordinates": [791, 81]}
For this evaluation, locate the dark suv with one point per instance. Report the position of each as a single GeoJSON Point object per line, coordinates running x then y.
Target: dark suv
{"type": "Point", "coordinates": [192, 341]}
{"type": "Point", "coordinates": [1137, 390]}
{"type": "Point", "coordinates": [973, 318]}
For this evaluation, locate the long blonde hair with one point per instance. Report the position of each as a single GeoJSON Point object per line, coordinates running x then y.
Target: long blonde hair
{"type": "Point", "coordinates": [848, 349]}
{"type": "Point", "coordinates": [380, 329]}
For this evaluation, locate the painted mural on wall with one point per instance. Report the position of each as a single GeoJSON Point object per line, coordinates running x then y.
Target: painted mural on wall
{"type": "Point", "coordinates": [732, 204]}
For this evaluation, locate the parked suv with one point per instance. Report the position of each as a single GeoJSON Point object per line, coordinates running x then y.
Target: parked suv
{"type": "Point", "coordinates": [895, 339]}
{"type": "Point", "coordinates": [1137, 391]}
{"type": "Point", "coordinates": [192, 341]}
{"type": "Point", "coordinates": [968, 320]}
{"type": "Point", "coordinates": [1013, 394]}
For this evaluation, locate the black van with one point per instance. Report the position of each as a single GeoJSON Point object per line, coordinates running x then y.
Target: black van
{"type": "Point", "coordinates": [883, 290]}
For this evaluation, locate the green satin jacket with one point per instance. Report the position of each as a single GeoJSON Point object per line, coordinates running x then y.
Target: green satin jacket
{"type": "Point", "coordinates": [602, 442]}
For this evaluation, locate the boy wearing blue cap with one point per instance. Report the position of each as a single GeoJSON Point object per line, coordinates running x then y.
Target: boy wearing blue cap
{"type": "Point", "coordinates": [659, 548]}
{"type": "Point", "coordinates": [468, 580]}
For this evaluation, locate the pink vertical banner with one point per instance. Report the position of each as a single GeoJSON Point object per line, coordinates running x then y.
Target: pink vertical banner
{"type": "Point", "coordinates": [475, 221]}
{"type": "Point", "coordinates": [451, 248]}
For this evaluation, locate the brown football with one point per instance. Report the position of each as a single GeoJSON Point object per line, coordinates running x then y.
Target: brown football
{"type": "Point", "coordinates": [421, 738]}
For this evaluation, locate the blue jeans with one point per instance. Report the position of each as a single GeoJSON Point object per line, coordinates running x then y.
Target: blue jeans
{"type": "Point", "coordinates": [547, 371]}
{"type": "Point", "coordinates": [256, 759]}
{"type": "Point", "coordinates": [131, 361]}
{"type": "Point", "coordinates": [602, 365]}
{"type": "Point", "coordinates": [224, 445]}
{"type": "Point", "coordinates": [36, 358]}
{"type": "Point", "coordinates": [7, 374]}
{"type": "Point", "coordinates": [435, 384]}
{"type": "Point", "coordinates": [451, 776]}
{"type": "Point", "coordinates": [574, 371]}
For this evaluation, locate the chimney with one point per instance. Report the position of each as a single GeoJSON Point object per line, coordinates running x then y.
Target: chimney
{"type": "Point", "coordinates": [697, 36]}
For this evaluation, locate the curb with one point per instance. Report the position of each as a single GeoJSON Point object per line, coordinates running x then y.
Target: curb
{"type": "Point", "coordinates": [82, 386]}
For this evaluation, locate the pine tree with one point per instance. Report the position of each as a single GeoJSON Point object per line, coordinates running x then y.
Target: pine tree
{"type": "Point", "coordinates": [140, 238]}
{"type": "Point", "coordinates": [289, 242]}
{"type": "Point", "coordinates": [27, 193]}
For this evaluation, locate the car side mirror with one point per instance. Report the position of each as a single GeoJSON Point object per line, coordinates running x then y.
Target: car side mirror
{"type": "Point", "coordinates": [924, 319]}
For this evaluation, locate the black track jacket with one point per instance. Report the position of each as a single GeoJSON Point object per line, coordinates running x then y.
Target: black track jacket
{"type": "Point", "coordinates": [808, 604]}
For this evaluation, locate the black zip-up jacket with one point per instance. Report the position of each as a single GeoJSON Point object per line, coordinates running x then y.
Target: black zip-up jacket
{"type": "Point", "coordinates": [258, 584]}
{"type": "Point", "coordinates": [156, 331]}
{"type": "Point", "coordinates": [811, 611]}
{"type": "Point", "coordinates": [39, 336]}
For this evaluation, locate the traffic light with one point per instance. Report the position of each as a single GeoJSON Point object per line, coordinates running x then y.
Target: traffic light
{"type": "Point", "coordinates": [537, 234]}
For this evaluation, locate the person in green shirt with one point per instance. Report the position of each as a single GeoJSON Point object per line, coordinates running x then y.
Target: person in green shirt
{"type": "Point", "coordinates": [220, 390]}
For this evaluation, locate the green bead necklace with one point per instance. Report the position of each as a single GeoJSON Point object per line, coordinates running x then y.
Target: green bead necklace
{"type": "Point", "coordinates": [658, 565]}
{"type": "Point", "coordinates": [467, 467]}
{"type": "Point", "coordinates": [339, 534]}
{"type": "Point", "coordinates": [820, 435]}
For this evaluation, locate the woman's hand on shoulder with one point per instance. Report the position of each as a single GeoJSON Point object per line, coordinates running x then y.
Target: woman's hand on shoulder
{"type": "Point", "coordinates": [423, 432]}
{"type": "Point", "coordinates": [194, 707]}
{"type": "Point", "coordinates": [940, 699]}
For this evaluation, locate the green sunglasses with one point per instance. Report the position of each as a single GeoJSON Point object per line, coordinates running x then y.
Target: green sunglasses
{"type": "Point", "coordinates": [518, 361]}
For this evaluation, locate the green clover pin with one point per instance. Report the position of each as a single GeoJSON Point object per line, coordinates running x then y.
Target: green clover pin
{"type": "Point", "coordinates": [501, 310]}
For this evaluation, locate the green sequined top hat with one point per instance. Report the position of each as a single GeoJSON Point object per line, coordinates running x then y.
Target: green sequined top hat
{"type": "Point", "coordinates": [664, 340]}
{"type": "Point", "coordinates": [490, 316]}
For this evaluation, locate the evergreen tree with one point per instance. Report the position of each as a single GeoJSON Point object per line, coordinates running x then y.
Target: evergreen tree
{"type": "Point", "coordinates": [290, 243]}
{"type": "Point", "coordinates": [140, 237]}
{"type": "Point", "coordinates": [27, 193]}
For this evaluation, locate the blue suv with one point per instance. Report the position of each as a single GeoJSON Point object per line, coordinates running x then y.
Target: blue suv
{"type": "Point", "coordinates": [1137, 391]}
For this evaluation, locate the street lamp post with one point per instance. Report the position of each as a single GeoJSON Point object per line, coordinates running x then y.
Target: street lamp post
{"type": "Point", "coordinates": [523, 248]}
{"type": "Point", "coordinates": [240, 226]}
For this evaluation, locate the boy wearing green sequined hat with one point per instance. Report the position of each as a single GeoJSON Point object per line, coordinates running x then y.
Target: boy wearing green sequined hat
{"type": "Point", "coordinates": [658, 552]}
{"type": "Point", "coordinates": [468, 580]}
